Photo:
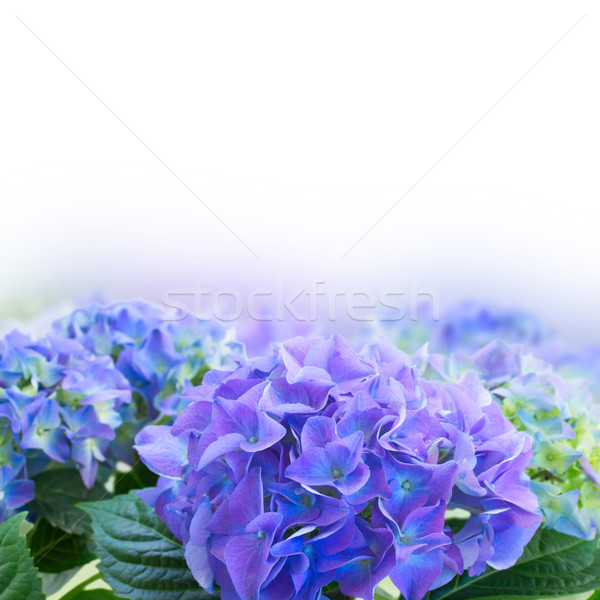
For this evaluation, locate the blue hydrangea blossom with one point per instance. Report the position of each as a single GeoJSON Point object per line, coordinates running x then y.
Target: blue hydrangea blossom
{"type": "Point", "coordinates": [59, 404]}
{"type": "Point", "coordinates": [467, 327]}
{"type": "Point", "coordinates": [561, 416]}
{"type": "Point", "coordinates": [80, 394]}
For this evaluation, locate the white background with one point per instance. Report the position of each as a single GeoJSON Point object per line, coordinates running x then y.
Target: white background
{"type": "Point", "coordinates": [300, 125]}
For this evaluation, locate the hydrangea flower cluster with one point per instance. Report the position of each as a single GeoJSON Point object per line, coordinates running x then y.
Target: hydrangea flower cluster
{"type": "Point", "coordinates": [160, 358]}
{"type": "Point", "coordinates": [471, 325]}
{"type": "Point", "coordinates": [467, 327]}
{"type": "Point", "coordinates": [58, 402]}
{"type": "Point", "coordinates": [317, 465]}
{"type": "Point", "coordinates": [561, 416]}
{"type": "Point", "coordinates": [67, 398]}
{"type": "Point", "coordinates": [582, 363]}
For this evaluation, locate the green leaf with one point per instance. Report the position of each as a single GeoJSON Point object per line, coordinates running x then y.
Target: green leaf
{"type": "Point", "coordinates": [98, 594]}
{"type": "Point", "coordinates": [54, 550]}
{"type": "Point", "coordinates": [334, 593]}
{"type": "Point", "coordinates": [57, 492]}
{"type": "Point", "coordinates": [552, 565]}
{"type": "Point", "coordinates": [80, 591]}
{"type": "Point", "coordinates": [19, 579]}
{"type": "Point", "coordinates": [140, 558]}
{"type": "Point", "coordinates": [137, 478]}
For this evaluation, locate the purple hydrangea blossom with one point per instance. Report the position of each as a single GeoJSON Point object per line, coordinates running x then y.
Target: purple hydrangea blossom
{"type": "Point", "coordinates": [317, 464]}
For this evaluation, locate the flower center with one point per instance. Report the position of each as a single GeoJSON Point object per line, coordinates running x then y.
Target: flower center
{"type": "Point", "coordinates": [405, 485]}
{"type": "Point", "coordinates": [306, 500]}
{"type": "Point", "coordinates": [336, 473]}
{"type": "Point", "coordinates": [253, 439]}
{"type": "Point", "coordinates": [261, 534]}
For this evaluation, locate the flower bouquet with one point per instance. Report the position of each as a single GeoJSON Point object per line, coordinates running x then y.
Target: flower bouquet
{"type": "Point", "coordinates": [147, 459]}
